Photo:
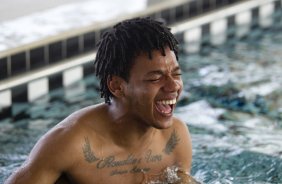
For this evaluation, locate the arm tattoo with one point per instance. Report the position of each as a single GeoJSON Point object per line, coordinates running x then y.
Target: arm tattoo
{"type": "Point", "coordinates": [88, 153]}
{"type": "Point", "coordinates": [171, 143]}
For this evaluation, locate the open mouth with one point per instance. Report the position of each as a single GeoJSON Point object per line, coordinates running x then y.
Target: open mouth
{"type": "Point", "coordinates": [165, 107]}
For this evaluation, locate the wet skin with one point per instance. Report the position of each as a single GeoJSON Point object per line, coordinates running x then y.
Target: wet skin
{"type": "Point", "coordinates": [134, 137]}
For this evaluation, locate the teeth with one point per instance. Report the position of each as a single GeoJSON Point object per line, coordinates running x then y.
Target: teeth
{"type": "Point", "coordinates": [168, 102]}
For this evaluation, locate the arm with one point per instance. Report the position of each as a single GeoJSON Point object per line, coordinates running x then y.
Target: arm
{"type": "Point", "coordinates": [30, 173]}
{"type": "Point", "coordinates": [46, 161]}
{"type": "Point", "coordinates": [184, 152]}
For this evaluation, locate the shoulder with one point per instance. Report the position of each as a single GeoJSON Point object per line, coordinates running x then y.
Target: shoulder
{"type": "Point", "coordinates": [77, 123]}
{"type": "Point", "coordinates": [64, 139]}
{"type": "Point", "coordinates": [180, 126]}
{"type": "Point", "coordinates": [54, 146]}
{"type": "Point", "coordinates": [178, 122]}
{"type": "Point", "coordinates": [59, 150]}
{"type": "Point", "coordinates": [182, 130]}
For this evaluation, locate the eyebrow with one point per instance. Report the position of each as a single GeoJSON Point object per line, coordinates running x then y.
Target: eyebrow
{"type": "Point", "coordinates": [160, 72]}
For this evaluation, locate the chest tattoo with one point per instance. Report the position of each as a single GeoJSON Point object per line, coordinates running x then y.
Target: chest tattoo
{"type": "Point", "coordinates": [89, 156]}
{"type": "Point", "coordinates": [171, 143]}
{"type": "Point", "coordinates": [130, 164]}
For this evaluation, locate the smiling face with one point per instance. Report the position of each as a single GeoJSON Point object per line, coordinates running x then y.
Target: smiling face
{"type": "Point", "coordinates": [153, 88]}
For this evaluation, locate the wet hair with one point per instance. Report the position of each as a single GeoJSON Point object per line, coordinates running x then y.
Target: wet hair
{"type": "Point", "coordinates": [119, 46]}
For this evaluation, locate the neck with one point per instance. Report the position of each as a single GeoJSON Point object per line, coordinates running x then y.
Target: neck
{"type": "Point", "coordinates": [126, 130]}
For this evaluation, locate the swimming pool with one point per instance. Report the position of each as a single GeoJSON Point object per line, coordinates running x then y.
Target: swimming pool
{"type": "Point", "coordinates": [234, 94]}
{"type": "Point", "coordinates": [232, 103]}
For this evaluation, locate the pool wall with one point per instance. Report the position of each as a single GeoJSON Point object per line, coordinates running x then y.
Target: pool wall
{"type": "Point", "coordinates": [196, 23]}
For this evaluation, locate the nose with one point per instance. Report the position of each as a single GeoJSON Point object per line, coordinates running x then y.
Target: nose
{"type": "Point", "coordinates": [172, 84]}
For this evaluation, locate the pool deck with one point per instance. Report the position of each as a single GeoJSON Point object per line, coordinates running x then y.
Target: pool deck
{"type": "Point", "coordinates": [42, 20]}
{"type": "Point", "coordinates": [12, 9]}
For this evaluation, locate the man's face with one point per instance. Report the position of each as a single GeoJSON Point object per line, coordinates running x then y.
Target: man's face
{"type": "Point", "coordinates": [153, 88]}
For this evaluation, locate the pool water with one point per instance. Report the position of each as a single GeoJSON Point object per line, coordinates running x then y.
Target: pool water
{"type": "Point", "coordinates": [232, 103]}
{"type": "Point", "coordinates": [234, 111]}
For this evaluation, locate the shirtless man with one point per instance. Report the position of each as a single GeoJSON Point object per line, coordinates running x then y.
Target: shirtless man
{"type": "Point", "coordinates": [133, 137]}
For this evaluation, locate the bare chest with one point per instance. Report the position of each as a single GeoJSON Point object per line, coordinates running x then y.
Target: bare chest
{"type": "Point", "coordinates": [125, 168]}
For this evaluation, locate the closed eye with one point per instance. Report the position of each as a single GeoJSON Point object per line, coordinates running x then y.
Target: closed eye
{"type": "Point", "coordinates": [154, 77]}
{"type": "Point", "coordinates": [177, 74]}
{"type": "Point", "coordinates": [154, 80]}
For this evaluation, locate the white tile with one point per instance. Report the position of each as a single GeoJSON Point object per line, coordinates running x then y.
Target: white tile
{"type": "Point", "coordinates": [192, 40]}
{"type": "Point", "coordinates": [37, 88]}
{"type": "Point", "coordinates": [243, 21]}
{"type": "Point", "coordinates": [218, 31]}
{"type": "Point", "coordinates": [265, 15]}
{"type": "Point", "coordinates": [72, 75]}
{"type": "Point", "coordinates": [5, 98]}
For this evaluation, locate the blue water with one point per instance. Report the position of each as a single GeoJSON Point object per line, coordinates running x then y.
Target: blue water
{"type": "Point", "coordinates": [232, 104]}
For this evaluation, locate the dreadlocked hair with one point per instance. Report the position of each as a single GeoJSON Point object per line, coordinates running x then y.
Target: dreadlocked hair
{"type": "Point", "coordinates": [119, 46]}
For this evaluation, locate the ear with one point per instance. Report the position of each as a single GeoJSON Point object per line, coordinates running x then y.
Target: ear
{"type": "Point", "coordinates": [116, 85]}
